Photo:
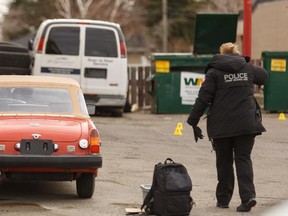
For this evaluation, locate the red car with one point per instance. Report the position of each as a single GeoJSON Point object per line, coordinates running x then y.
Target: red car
{"type": "Point", "coordinates": [46, 132]}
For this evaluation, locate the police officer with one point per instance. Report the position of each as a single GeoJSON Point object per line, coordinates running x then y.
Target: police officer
{"type": "Point", "coordinates": [233, 121]}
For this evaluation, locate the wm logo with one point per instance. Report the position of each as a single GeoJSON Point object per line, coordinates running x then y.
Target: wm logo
{"type": "Point", "coordinates": [193, 81]}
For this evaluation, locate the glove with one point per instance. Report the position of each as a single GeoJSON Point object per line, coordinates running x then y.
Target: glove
{"type": "Point", "coordinates": [247, 58]}
{"type": "Point", "coordinates": [197, 133]}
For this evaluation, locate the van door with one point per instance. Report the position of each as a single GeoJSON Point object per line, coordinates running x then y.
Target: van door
{"type": "Point", "coordinates": [61, 52]}
{"type": "Point", "coordinates": [104, 71]}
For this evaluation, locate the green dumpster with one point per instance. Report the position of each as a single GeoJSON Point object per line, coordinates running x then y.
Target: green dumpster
{"type": "Point", "coordinates": [276, 88]}
{"type": "Point", "coordinates": [177, 80]}
{"type": "Point", "coordinates": [176, 77]}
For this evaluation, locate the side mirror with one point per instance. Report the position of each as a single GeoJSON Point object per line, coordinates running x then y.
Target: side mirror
{"type": "Point", "coordinates": [30, 44]}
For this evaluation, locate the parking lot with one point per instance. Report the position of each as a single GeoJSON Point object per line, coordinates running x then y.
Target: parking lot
{"type": "Point", "coordinates": [131, 146]}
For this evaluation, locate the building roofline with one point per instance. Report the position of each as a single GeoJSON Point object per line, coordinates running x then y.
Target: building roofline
{"type": "Point", "coordinates": [255, 4]}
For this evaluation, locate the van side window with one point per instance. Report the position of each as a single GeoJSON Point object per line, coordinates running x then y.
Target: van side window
{"type": "Point", "coordinates": [100, 42]}
{"type": "Point", "coordinates": [63, 41]}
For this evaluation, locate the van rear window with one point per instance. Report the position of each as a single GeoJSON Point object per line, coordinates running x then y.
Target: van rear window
{"type": "Point", "coordinates": [100, 42]}
{"type": "Point", "coordinates": [63, 41]}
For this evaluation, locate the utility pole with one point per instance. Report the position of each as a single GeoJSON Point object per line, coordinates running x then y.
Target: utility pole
{"type": "Point", "coordinates": [165, 26]}
{"type": "Point", "coordinates": [247, 20]}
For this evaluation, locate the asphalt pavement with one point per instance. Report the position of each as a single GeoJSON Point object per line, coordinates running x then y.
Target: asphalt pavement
{"type": "Point", "coordinates": [132, 145]}
{"type": "Point", "coordinates": [135, 143]}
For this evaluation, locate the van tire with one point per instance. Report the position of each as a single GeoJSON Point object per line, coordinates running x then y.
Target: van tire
{"type": "Point", "coordinates": [127, 107]}
{"type": "Point", "coordinates": [118, 112]}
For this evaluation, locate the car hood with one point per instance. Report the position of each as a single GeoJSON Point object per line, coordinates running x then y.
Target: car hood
{"type": "Point", "coordinates": [15, 129]}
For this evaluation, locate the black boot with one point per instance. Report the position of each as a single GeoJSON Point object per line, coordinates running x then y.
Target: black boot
{"type": "Point", "coordinates": [246, 206]}
{"type": "Point", "coordinates": [219, 205]}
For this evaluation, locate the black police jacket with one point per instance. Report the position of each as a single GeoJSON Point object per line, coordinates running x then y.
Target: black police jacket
{"type": "Point", "coordinates": [228, 91]}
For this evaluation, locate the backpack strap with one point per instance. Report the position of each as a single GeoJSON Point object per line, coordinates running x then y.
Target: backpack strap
{"type": "Point", "coordinates": [149, 195]}
{"type": "Point", "coordinates": [148, 198]}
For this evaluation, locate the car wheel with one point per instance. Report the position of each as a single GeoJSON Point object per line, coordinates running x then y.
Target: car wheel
{"type": "Point", "coordinates": [85, 185]}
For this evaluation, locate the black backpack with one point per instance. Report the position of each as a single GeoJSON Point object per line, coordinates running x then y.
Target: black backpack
{"type": "Point", "coordinates": [170, 190]}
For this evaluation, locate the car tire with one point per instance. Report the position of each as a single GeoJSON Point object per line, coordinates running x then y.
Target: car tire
{"type": "Point", "coordinates": [85, 185]}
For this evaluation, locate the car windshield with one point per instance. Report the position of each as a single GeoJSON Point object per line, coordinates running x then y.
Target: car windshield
{"type": "Point", "coordinates": [35, 99]}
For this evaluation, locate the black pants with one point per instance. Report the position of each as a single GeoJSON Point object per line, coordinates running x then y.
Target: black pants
{"type": "Point", "coordinates": [236, 148]}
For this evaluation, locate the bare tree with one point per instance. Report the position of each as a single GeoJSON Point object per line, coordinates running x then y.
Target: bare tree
{"type": "Point", "coordinates": [226, 5]}
{"type": "Point", "coordinates": [73, 9]}
{"type": "Point", "coordinates": [110, 10]}
{"type": "Point", "coordinates": [64, 8]}
{"type": "Point", "coordinates": [119, 11]}
{"type": "Point", "coordinates": [83, 6]}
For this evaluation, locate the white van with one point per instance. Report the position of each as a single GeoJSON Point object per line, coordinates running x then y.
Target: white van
{"type": "Point", "coordinates": [89, 51]}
